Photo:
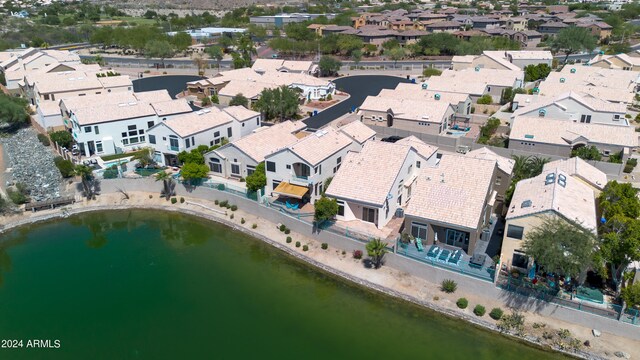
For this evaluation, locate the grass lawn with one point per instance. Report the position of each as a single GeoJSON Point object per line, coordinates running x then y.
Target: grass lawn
{"type": "Point", "coordinates": [120, 156]}
{"type": "Point", "coordinates": [132, 19]}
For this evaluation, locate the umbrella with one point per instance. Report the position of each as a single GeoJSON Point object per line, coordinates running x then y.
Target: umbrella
{"type": "Point", "coordinates": [532, 272]}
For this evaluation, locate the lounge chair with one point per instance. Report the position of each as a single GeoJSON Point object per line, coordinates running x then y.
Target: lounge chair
{"type": "Point", "coordinates": [433, 251]}
{"type": "Point", "coordinates": [444, 255]}
{"type": "Point", "coordinates": [455, 258]}
{"type": "Point", "coordinates": [295, 206]}
{"type": "Point", "coordinates": [419, 244]}
{"type": "Point", "coordinates": [288, 204]}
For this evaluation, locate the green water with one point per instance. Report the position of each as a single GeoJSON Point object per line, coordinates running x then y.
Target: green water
{"type": "Point", "coordinates": [154, 285]}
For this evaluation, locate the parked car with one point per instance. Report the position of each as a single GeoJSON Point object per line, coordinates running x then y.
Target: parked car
{"type": "Point", "coordinates": [392, 139]}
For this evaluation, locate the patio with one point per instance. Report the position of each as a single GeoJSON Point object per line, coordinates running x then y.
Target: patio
{"type": "Point", "coordinates": [389, 233]}
{"type": "Point", "coordinates": [450, 258]}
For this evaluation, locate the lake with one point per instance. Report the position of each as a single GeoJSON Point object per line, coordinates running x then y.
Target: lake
{"type": "Point", "coordinates": [156, 285]}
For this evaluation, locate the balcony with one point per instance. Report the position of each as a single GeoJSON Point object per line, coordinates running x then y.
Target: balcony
{"type": "Point", "coordinates": [173, 148]}
{"type": "Point", "coordinates": [299, 180]}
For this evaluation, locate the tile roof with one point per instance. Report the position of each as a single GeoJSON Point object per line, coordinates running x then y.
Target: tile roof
{"type": "Point", "coordinates": [154, 95]}
{"type": "Point", "coordinates": [579, 168]}
{"type": "Point", "coordinates": [171, 107]}
{"type": "Point", "coordinates": [593, 104]}
{"type": "Point", "coordinates": [416, 92]}
{"type": "Point", "coordinates": [358, 131]}
{"type": "Point", "coordinates": [195, 122]}
{"type": "Point", "coordinates": [278, 64]}
{"type": "Point", "coordinates": [453, 192]}
{"type": "Point", "coordinates": [469, 87]}
{"type": "Point", "coordinates": [575, 200]}
{"type": "Point", "coordinates": [565, 132]}
{"type": "Point", "coordinates": [504, 163]}
{"type": "Point", "coordinates": [368, 176]}
{"type": "Point", "coordinates": [500, 58]}
{"type": "Point", "coordinates": [491, 77]}
{"type": "Point", "coordinates": [63, 81]}
{"type": "Point", "coordinates": [417, 110]}
{"type": "Point", "coordinates": [320, 145]}
{"type": "Point", "coordinates": [530, 54]}
{"type": "Point", "coordinates": [240, 113]}
{"type": "Point", "coordinates": [267, 140]}
{"type": "Point", "coordinates": [423, 149]}
{"type": "Point", "coordinates": [112, 112]}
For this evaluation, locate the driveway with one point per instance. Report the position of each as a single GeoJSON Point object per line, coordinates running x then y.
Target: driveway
{"type": "Point", "coordinates": [359, 87]}
{"type": "Point", "coordinates": [174, 84]}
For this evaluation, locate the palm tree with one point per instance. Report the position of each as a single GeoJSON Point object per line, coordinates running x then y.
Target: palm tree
{"type": "Point", "coordinates": [536, 164]}
{"type": "Point", "coordinates": [86, 175]}
{"type": "Point", "coordinates": [520, 166]}
{"type": "Point", "coordinates": [167, 183]}
{"type": "Point", "coordinates": [376, 250]}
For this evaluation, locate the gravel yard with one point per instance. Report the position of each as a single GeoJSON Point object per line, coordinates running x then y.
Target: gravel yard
{"type": "Point", "coordinates": [31, 163]}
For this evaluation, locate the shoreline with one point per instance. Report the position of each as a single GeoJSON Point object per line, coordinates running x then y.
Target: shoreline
{"type": "Point", "coordinates": [352, 280]}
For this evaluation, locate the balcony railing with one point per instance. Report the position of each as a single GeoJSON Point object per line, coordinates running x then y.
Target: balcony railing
{"type": "Point", "coordinates": [174, 148]}
{"type": "Point", "coordinates": [300, 179]}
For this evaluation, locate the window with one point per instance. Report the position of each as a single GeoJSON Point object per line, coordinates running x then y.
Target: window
{"type": "Point", "coordinates": [258, 121]}
{"type": "Point", "coordinates": [585, 119]}
{"type": "Point", "coordinates": [96, 130]}
{"type": "Point", "coordinates": [369, 215]}
{"type": "Point", "coordinates": [53, 97]}
{"type": "Point", "coordinates": [520, 260]}
{"type": "Point", "coordinates": [318, 169]}
{"type": "Point", "coordinates": [215, 166]}
{"type": "Point", "coordinates": [131, 136]}
{"type": "Point", "coordinates": [271, 166]}
{"type": "Point", "coordinates": [409, 169]}
{"type": "Point", "coordinates": [187, 142]}
{"type": "Point", "coordinates": [340, 207]}
{"type": "Point", "coordinates": [152, 139]}
{"type": "Point", "coordinates": [498, 180]}
{"type": "Point", "coordinates": [46, 96]}
{"type": "Point", "coordinates": [82, 94]}
{"type": "Point", "coordinates": [288, 166]}
{"type": "Point", "coordinates": [275, 184]}
{"type": "Point", "coordinates": [515, 232]}
{"type": "Point", "coordinates": [229, 133]}
{"type": "Point", "coordinates": [419, 231]}
{"type": "Point", "coordinates": [250, 169]}
{"type": "Point", "coordinates": [418, 164]}
{"type": "Point", "coordinates": [99, 146]}
{"type": "Point", "coordinates": [150, 124]}
{"type": "Point", "coordinates": [242, 124]}
{"type": "Point", "coordinates": [339, 160]}
{"type": "Point", "coordinates": [87, 129]}
{"type": "Point", "coordinates": [235, 169]}
{"type": "Point", "coordinates": [131, 127]}
{"type": "Point", "coordinates": [173, 143]}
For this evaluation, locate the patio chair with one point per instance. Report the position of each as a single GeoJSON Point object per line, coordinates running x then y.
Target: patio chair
{"type": "Point", "coordinates": [288, 204]}
{"type": "Point", "coordinates": [419, 244]}
{"type": "Point", "coordinates": [444, 255]}
{"type": "Point", "coordinates": [433, 251]}
{"type": "Point", "coordinates": [295, 206]}
{"type": "Point", "coordinates": [455, 258]}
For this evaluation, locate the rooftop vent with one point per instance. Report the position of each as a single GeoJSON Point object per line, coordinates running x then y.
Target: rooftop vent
{"type": "Point", "coordinates": [132, 103]}
{"type": "Point", "coordinates": [477, 68]}
{"type": "Point", "coordinates": [573, 70]}
{"type": "Point", "coordinates": [436, 96]}
{"type": "Point", "coordinates": [550, 179]}
{"type": "Point", "coordinates": [527, 136]}
{"type": "Point", "coordinates": [526, 204]}
{"type": "Point", "coordinates": [562, 80]}
{"type": "Point", "coordinates": [425, 85]}
{"type": "Point", "coordinates": [536, 90]}
{"type": "Point", "coordinates": [122, 105]}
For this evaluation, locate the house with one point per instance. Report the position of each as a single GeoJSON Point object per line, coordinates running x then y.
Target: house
{"type": "Point", "coordinates": [559, 137]}
{"type": "Point", "coordinates": [280, 20]}
{"type": "Point", "coordinates": [528, 38]}
{"type": "Point", "coordinates": [358, 132]}
{"type": "Point", "coordinates": [429, 117]}
{"type": "Point", "coordinates": [616, 62]}
{"type": "Point", "coordinates": [551, 28]}
{"type": "Point", "coordinates": [605, 84]}
{"type": "Point", "coordinates": [516, 23]}
{"type": "Point", "coordinates": [580, 170]}
{"type": "Point", "coordinates": [209, 126]}
{"type": "Point", "coordinates": [388, 171]}
{"type": "Point", "coordinates": [502, 60]}
{"type": "Point", "coordinates": [495, 81]}
{"type": "Point", "coordinates": [116, 123]}
{"type": "Point", "coordinates": [575, 107]}
{"type": "Point", "coordinates": [554, 193]}
{"type": "Point", "coordinates": [460, 102]}
{"type": "Point", "coordinates": [446, 207]}
{"type": "Point", "coordinates": [300, 170]}
{"type": "Point", "coordinates": [599, 29]}
{"type": "Point", "coordinates": [262, 66]}
{"type": "Point", "coordinates": [443, 26]}
{"type": "Point", "coordinates": [484, 22]}
{"type": "Point", "coordinates": [504, 171]}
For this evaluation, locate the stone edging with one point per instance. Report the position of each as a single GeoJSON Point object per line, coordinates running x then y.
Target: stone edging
{"type": "Point", "coordinates": [335, 272]}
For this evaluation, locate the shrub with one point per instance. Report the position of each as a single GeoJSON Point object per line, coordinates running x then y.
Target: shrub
{"type": "Point", "coordinates": [288, 239]}
{"type": "Point", "coordinates": [325, 246]}
{"type": "Point", "coordinates": [485, 99]}
{"type": "Point", "coordinates": [227, 205]}
{"type": "Point", "coordinates": [181, 200]}
{"type": "Point", "coordinates": [223, 203]}
{"type": "Point", "coordinates": [462, 303]}
{"type": "Point", "coordinates": [473, 109]}
{"type": "Point", "coordinates": [329, 97]}
{"type": "Point", "coordinates": [287, 231]}
{"type": "Point", "coordinates": [357, 254]}
{"type": "Point", "coordinates": [305, 248]}
{"type": "Point", "coordinates": [174, 200]}
{"type": "Point", "coordinates": [436, 298]}
{"type": "Point", "coordinates": [231, 216]}
{"type": "Point", "coordinates": [449, 286]}
{"type": "Point", "coordinates": [216, 202]}
{"type": "Point", "coordinates": [496, 313]}
{"type": "Point", "coordinates": [44, 139]}
{"type": "Point", "coordinates": [479, 310]}
{"type": "Point", "coordinates": [110, 173]}
{"type": "Point", "coordinates": [344, 252]}
{"type": "Point", "coordinates": [431, 72]}
{"type": "Point", "coordinates": [254, 226]}
{"type": "Point", "coordinates": [150, 196]}
{"type": "Point", "coordinates": [297, 243]}
{"type": "Point", "coordinates": [282, 227]}
{"type": "Point", "coordinates": [242, 221]}
{"type": "Point", "coordinates": [221, 187]}
{"type": "Point", "coordinates": [234, 207]}
{"type": "Point", "coordinates": [17, 196]}
{"type": "Point", "coordinates": [65, 166]}
{"type": "Point", "coordinates": [242, 180]}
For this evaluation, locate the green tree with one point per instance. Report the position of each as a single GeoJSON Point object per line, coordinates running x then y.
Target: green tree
{"type": "Point", "coordinates": [299, 31]}
{"type": "Point", "coordinates": [281, 102]}
{"type": "Point", "coordinates": [356, 56]}
{"type": "Point", "coordinates": [587, 153]}
{"type": "Point", "coordinates": [150, 14]}
{"type": "Point", "coordinates": [144, 157]}
{"type": "Point", "coordinates": [561, 246]}
{"type": "Point", "coordinates": [619, 199]}
{"type": "Point", "coordinates": [246, 48]}
{"type": "Point", "coordinates": [325, 209]}
{"type": "Point", "coordinates": [160, 49]}
{"type": "Point", "coordinates": [536, 72]}
{"type": "Point", "coordinates": [62, 138]}
{"type": "Point", "coordinates": [631, 295]}
{"type": "Point", "coordinates": [329, 65]}
{"type": "Point", "coordinates": [258, 179]}
{"type": "Point", "coordinates": [191, 157]}
{"type": "Point", "coordinates": [239, 99]}
{"type": "Point", "coordinates": [86, 177]}
{"type": "Point", "coordinates": [396, 54]}
{"type": "Point", "coordinates": [524, 167]}
{"type": "Point", "coordinates": [349, 43]}
{"type": "Point", "coordinates": [376, 250]}
{"type": "Point", "coordinates": [181, 41]}
{"type": "Point", "coordinates": [620, 246]}
{"type": "Point", "coordinates": [13, 111]}
{"type": "Point", "coordinates": [168, 184]}
{"type": "Point", "coordinates": [193, 171]}
{"type": "Point", "coordinates": [216, 53]}
{"type": "Point", "coordinates": [572, 40]}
